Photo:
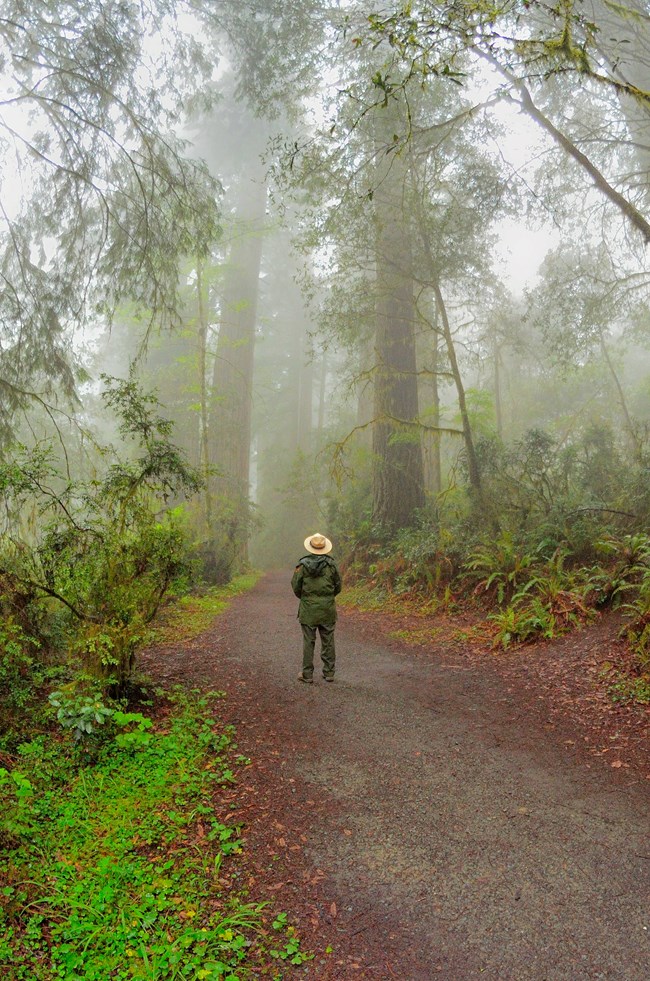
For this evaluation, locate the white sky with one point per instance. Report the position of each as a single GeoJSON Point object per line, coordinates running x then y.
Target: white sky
{"type": "Point", "coordinates": [520, 252]}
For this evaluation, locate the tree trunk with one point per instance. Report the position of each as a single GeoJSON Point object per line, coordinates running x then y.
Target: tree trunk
{"type": "Point", "coordinates": [632, 437]}
{"type": "Point", "coordinates": [365, 395]}
{"type": "Point", "coordinates": [233, 370]}
{"type": "Point", "coordinates": [232, 387]}
{"type": "Point", "coordinates": [472, 463]}
{"type": "Point", "coordinates": [305, 399]}
{"type": "Point", "coordinates": [428, 353]}
{"type": "Point", "coordinates": [322, 379]}
{"type": "Point", "coordinates": [203, 380]}
{"type": "Point", "coordinates": [398, 474]}
{"type": "Point", "coordinates": [498, 408]}
{"type": "Point", "coordinates": [435, 463]}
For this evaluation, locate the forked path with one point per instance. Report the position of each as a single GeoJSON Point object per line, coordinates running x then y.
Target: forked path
{"type": "Point", "coordinates": [457, 839]}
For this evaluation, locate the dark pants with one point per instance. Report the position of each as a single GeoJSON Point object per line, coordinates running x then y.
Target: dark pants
{"type": "Point", "coordinates": [327, 653]}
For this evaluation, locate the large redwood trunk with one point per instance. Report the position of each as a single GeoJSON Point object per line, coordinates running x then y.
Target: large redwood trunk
{"type": "Point", "coordinates": [232, 386]}
{"type": "Point", "coordinates": [398, 476]}
{"type": "Point", "coordinates": [230, 424]}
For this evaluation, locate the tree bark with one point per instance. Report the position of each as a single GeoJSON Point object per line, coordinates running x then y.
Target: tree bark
{"type": "Point", "coordinates": [398, 474]}
{"type": "Point", "coordinates": [230, 422]}
{"type": "Point", "coordinates": [203, 381]}
{"type": "Point", "coordinates": [232, 385]}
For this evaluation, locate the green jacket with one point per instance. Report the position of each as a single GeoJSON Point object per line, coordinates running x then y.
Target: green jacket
{"type": "Point", "coordinates": [316, 582]}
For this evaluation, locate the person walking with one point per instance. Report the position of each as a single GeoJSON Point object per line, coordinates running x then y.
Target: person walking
{"type": "Point", "coordinates": [316, 582]}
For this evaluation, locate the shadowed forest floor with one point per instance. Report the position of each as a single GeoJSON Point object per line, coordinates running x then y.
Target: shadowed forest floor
{"type": "Point", "coordinates": [439, 811]}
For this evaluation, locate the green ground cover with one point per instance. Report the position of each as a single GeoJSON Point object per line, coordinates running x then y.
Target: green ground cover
{"type": "Point", "coordinates": [117, 857]}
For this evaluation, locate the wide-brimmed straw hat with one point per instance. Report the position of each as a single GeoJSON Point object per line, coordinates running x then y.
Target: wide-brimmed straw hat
{"type": "Point", "coordinates": [318, 545]}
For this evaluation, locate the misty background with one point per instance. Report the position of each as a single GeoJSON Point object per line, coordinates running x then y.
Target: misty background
{"type": "Point", "coordinates": [383, 268]}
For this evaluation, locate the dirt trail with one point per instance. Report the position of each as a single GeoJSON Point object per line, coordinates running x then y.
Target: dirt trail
{"type": "Point", "coordinates": [420, 816]}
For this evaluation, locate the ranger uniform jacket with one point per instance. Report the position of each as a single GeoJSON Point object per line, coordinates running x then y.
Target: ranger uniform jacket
{"type": "Point", "coordinates": [316, 582]}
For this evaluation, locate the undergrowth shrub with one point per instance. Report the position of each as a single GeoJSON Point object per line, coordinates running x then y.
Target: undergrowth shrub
{"type": "Point", "coordinates": [522, 622]}
{"type": "Point", "coordinates": [80, 714]}
{"type": "Point", "coordinates": [637, 628]}
{"type": "Point", "coordinates": [426, 560]}
{"type": "Point", "coordinates": [105, 551]}
{"type": "Point", "coordinates": [554, 536]}
{"type": "Point", "coordinates": [125, 866]}
{"type": "Point", "coordinates": [423, 560]}
{"type": "Point", "coordinates": [26, 670]}
{"type": "Point", "coordinates": [500, 566]}
{"type": "Point", "coordinates": [18, 655]}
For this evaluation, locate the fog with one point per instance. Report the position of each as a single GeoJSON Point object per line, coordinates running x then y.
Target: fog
{"type": "Point", "coordinates": [382, 272]}
{"type": "Point", "coordinates": [369, 283]}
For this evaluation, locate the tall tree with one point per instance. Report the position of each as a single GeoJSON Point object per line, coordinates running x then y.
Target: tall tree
{"type": "Point", "coordinates": [398, 475]}
{"type": "Point", "coordinates": [455, 194]}
{"type": "Point", "coordinates": [230, 423]}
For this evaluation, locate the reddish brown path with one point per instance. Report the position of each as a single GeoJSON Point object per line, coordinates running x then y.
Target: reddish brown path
{"type": "Point", "coordinates": [416, 817]}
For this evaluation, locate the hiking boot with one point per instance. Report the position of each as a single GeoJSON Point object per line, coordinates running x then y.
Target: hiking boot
{"type": "Point", "coordinates": [306, 681]}
{"type": "Point", "coordinates": [328, 677]}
